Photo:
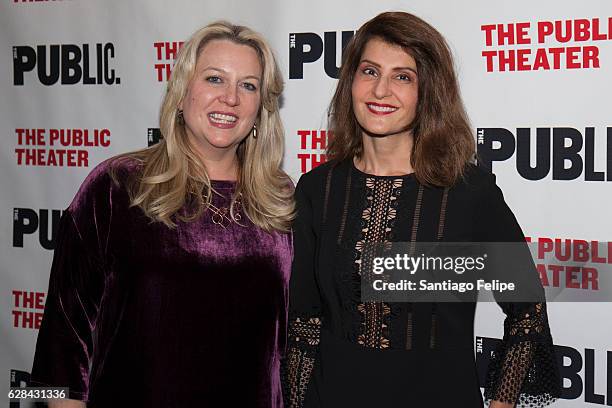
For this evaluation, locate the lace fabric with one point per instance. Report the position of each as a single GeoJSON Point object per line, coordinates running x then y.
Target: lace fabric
{"type": "Point", "coordinates": [523, 370]}
{"type": "Point", "coordinates": [304, 336]}
{"type": "Point", "coordinates": [377, 218]}
{"type": "Point", "coordinates": [368, 209]}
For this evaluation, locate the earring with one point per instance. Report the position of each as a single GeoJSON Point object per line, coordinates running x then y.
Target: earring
{"type": "Point", "coordinates": [180, 118]}
{"type": "Point", "coordinates": [254, 131]}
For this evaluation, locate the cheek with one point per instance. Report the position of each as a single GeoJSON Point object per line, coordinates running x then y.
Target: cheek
{"type": "Point", "coordinates": [356, 89]}
{"type": "Point", "coordinates": [410, 99]}
{"type": "Point", "coordinates": [189, 101]}
{"type": "Point", "coordinates": [257, 104]}
{"type": "Point", "coordinates": [415, 95]}
{"type": "Point", "coordinates": [199, 96]}
{"type": "Point", "coordinates": [254, 105]}
{"type": "Point", "coordinates": [356, 98]}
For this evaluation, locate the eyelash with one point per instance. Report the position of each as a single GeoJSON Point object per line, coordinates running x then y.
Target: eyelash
{"type": "Point", "coordinates": [249, 86]}
{"type": "Point", "coordinates": [213, 79]}
{"type": "Point", "coordinates": [368, 71]}
{"type": "Point", "coordinates": [371, 71]}
{"type": "Point", "coordinates": [407, 77]}
{"type": "Point", "coordinates": [246, 85]}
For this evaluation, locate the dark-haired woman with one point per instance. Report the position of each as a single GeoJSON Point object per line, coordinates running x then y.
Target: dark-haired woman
{"type": "Point", "coordinates": [400, 171]}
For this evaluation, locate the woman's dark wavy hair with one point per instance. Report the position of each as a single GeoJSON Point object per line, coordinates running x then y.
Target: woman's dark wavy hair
{"type": "Point", "coordinates": [443, 139]}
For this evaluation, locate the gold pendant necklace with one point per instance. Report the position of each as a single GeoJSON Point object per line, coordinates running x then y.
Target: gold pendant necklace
{"type": "Point", "coordinates": [222, 215]}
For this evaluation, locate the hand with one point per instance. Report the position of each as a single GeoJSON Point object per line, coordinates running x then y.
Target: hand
{"type": "Point", "coordinates": [66, 403]}
{"type": "Point", "coordinates": [498, 404]}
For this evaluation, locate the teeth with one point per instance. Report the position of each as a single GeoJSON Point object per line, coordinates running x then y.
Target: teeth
{"type": "Point", "coordinates": [221, 118]}
{"type": "Point", "coordinates": [382, 108]}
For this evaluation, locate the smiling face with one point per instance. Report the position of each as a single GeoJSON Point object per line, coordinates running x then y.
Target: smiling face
{"type": "Point", "coordinates": [385, 89]}
{"type": "Point", "coordinates": [223, 97]}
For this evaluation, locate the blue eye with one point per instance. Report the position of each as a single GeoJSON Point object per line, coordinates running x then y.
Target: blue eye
{"type": "Point", "coordinates": [249, 86]}
{"type": "Point", "coordinates": [214, 79]}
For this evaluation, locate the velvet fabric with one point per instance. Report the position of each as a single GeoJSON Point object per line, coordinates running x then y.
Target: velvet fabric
{"type": "Point", "coordinates": [142, 315]}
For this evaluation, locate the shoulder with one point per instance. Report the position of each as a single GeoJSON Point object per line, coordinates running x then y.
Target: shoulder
{"type": "Point", "coordinates": [477, 189]}
{"type": "Point", "coordinates": [478, 177]}
{"type": "Point", "coordinates": [319, 173]}
{"type": "Point", "coordinates": [493, 217]}
{"type": "Point", "coordinates": [105, 180]}
{"type": "Point", "coordinates": [476, 182]}
{"type": "Point", "coordinates": [311, 187]}
{"type": "Point", "coordinates": [316, 178]}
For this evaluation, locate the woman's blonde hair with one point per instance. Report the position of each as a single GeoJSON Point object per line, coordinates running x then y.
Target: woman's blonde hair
{"type": "Point", "coordinates": [172, 177]}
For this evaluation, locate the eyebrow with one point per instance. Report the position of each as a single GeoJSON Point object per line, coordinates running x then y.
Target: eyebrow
{"type": "Point", "coordinates": [225, 72]}
{"type": "Point", "coordinates": [394, 69]}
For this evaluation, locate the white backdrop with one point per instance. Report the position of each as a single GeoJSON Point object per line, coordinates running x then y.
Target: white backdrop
{"type": "Point", "coordinates": [108, 48]}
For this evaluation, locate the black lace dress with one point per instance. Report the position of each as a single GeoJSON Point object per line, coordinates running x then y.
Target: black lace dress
{"type": "Point", "coordinates": [347, 353]}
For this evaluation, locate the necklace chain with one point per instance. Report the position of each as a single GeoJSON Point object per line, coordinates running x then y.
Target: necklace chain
{"type": "Point", "coordinates": [222, 215]}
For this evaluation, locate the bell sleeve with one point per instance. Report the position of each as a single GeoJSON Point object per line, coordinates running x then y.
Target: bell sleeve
{"type": "Point", "coordinates": [66, 338]}
{"type": "Point", "coordinates": [523, 369]}
{"type": "Point", "coordinates": [304, 304]}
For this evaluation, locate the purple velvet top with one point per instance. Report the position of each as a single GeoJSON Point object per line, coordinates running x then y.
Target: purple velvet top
{"type": "Point", "coordinates": [142, 315]}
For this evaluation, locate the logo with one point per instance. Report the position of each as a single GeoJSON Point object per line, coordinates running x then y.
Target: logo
{"type": "Point", "coordinates": [27, 221]}
{"type": "Point", "coordinates": [563, 55]}
{"type": "Point", "coordinates": [306, 48]}
{"type": "Point", "coordinates": [153, 136]}
{"type": "Point", "coordinates": [56, 147]}
{"type": "Point", "coordinates": [566, 152]}
{"type": "Point", "coordinates": [165, 53]}
{"type": "Point", "coordinates": [571, 362]}
{"type": "Point", "coordinates": [571, 263]}
{"type": "Point", "coordinates": [312, 148]}
{"type": "Point", "coordinates": [68, 64]}
{"type": "Point", "coordinates": [28, 309]}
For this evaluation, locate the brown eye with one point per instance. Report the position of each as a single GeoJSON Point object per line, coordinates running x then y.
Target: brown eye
{"type": "Point", "coordinates": [404, 77]}
{"type": "Point", "coordinates": [369, 71]}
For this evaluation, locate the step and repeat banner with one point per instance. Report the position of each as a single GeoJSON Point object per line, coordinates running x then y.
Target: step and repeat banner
{"type": "Point", "coordinates": [82, 80]}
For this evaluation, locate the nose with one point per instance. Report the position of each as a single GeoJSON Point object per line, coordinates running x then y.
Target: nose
{"type": "Point", "coordinates": [382, 88]}
{"type": "Point", "coordinates": [230, 96]}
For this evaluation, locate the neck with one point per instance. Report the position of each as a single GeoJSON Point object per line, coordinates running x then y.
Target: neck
{"type": "Point", "coordinates": [220, 164]}
{"type": "Point", "coordinates": [386, 156]}
{"type": "Point", "coordinates": [224, 169]}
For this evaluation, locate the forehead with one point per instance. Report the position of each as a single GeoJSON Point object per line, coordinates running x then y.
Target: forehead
{"type": "Point", "coordinates": [386, 54]}
{"type": "Point", "coordinates": [229, 56]}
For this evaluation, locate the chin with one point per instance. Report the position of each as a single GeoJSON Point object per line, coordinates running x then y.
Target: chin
{"type": "Point", "coordinates": [378, 131]}
{"type": "Point", "coordinates": [217, 144]}
{"type": "Point", "coordinates": [222, 140]}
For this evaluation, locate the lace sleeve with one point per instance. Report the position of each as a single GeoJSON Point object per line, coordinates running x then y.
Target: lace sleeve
{"type": "Point", "coordinates": [301, 356]}
{"type": "Point", "coordinates": [304, 302]}
{"type": "Point", "coordinates": [523, 370]}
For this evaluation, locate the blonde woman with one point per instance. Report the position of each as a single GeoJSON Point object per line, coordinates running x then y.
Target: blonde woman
{"type": "Point", "coordinates": [169, 281]}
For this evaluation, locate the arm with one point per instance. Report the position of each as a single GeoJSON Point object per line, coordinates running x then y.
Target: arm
{"type": "Point", "coordinates": [523, 370]}
{"type": "Point", "coordinates": [304, 305]}
{"type": "Point", "coordinates": [65, 344]}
